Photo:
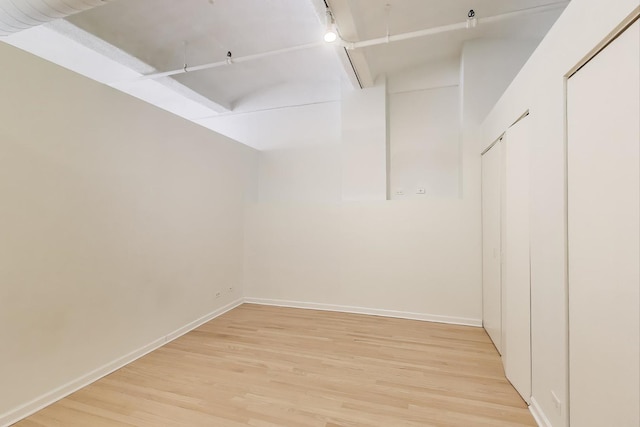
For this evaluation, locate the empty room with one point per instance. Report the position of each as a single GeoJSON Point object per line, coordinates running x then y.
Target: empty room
{"type": "Point", "coordinates": [322, 213]}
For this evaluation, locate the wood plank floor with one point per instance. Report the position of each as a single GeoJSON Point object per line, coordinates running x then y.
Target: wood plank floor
{"type": "Point", "coordinates": [269, 366]}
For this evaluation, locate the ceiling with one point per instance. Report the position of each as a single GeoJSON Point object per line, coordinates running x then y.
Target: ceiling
{"type": "Point", "coordinates": [371, 18]}
{"type": "Point", "coordinates": [167, 34]}
{"type": "Point", "coordinates": [278, 57]}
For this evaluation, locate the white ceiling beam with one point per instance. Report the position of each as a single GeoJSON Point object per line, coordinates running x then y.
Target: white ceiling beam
{"type": "Point", "coordinates": [355, 59]}
{"type": "Point", "coordinates": [65, 44]}
{"type": "Point", "coordinates": [351, 72]}
{"type": "Point", "coordinates": [121, 57]}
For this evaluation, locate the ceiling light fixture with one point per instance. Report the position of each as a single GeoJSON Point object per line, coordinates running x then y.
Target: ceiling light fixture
{"type": "Point", "coordinates": [331, 34]}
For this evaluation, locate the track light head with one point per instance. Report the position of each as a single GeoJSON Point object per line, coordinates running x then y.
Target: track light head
{"type": "Point", "coordinates": [472, 21]}
{"type": "Point", "coordinates": [331, 34]}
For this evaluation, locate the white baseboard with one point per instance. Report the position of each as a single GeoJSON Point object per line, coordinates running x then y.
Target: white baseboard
{"type": "Point", "coordinates": [47, 399]}
{"type": "Point", "coordinates": [371, 311]}
{"type": "Point", "coordinates": [538, 414]}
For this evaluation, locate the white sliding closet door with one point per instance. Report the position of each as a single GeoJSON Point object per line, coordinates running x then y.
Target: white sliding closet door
{"type": "Point", "coordinates": [604, 236]}
{"type": "Point", "coordinates": [491, 280]}
{"type": "Point", "coordinates": [516, 273]}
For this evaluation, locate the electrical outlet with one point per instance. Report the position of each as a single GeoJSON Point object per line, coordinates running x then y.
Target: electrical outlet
{"type": "Point", "coordinates": [420, 191]}
{"type": "Point", "coordinates": [399, 192]}
{"type": "Point", "coordinates": [230, 289]}
{"type": "Point", "coordinates": [218, 294]}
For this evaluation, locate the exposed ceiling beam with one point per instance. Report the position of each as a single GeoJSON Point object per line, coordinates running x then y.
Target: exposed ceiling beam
{"type": "Point", "coordinates": [105, 63]}
{"type": "Point", "coordinates": [121, 57]}
{"type": "Point", "coordinates": [320, 7]}
{"type": "Point", "coordinates": [348, 31]}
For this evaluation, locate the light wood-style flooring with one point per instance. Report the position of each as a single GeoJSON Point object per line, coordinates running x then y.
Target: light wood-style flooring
{"type": "Point", "coordinates": [268, 366]}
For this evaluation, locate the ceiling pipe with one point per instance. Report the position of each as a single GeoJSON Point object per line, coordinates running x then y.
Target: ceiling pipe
{"type": "Point", "coordinates": [227, 62]}
{"type": "Point", "coordinates": [356, 45]}
{"type": "Point", "coordinates": [18, 15]}
{"type": "Point", "coordinates": [453, 27]}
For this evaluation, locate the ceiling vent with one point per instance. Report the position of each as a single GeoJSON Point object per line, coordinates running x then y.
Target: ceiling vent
{"type": "Point", "coordinates": [18, 15]}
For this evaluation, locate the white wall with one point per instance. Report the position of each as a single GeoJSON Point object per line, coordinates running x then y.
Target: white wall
{"type": "Point", "coordinates": [300, 153]}
{"type": "Point", "coordinates": [540, 88]}
{"type": "Point", "coordinates": [364, 144]}
{"type": "Point", "coordinates": [299, 157]}
{"type": "Point", "coordinates": [488, 66]}
{"type": "Point", "coordinates": [300, 174]}
{"type": "Point", "coordinates": [411, 256]}
{"type": "Point", "coordinates": [424, 130]}
{"type": "Point", "coordinates": [424, 143]}
{"type": "Point", "coordinates": [414, 256]}
{"type": "Point", "coordinates": [282, 128]}
{"type": "Point", "coordinates": [119, 224]}
{"type": "Point", "coordinates": [438, 73]}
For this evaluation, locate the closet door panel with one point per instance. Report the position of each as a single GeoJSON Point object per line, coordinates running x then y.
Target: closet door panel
{"type": "Point", "coordinates": [491, 280]}
{"type": "Point", "coordinates": [603, 153]}
{"type": "Point", "coordinates": [516, 259]}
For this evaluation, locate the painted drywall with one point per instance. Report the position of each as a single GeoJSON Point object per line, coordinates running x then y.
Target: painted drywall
{"type": "Point", "coordinates": [299, 150]}
{"type": "Point", "coordinates": [424, 130]}
{"type": "Point", "coordinates": [301, 146]}
{"type": "Point", "coordinates": [300, 158]}
{"type": "Point", "coordinates": [300, 174]}
{"type": "Point", "coordinates": [424, 143]}
{"type": "Point", "coordinates": [488, 67]}
{"type": "Point", "coordinates": [282, 128]}
{"type": "Point", "coordinates": [411, 256]}
{"type": "Point", "coordinates": [364, 143]}
{"type": "Point", "coordinates": [540, 87]}
{"type": "Point", "coordinates": [120, 222]}
{"type": "Point", "coordinates": [434, 74]}
{"type": "Point", "coordinates": [418, 257]}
